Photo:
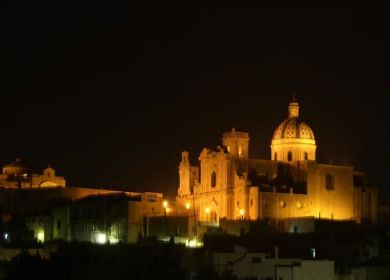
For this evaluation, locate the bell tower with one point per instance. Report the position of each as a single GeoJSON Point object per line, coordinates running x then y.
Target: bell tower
{"type": "Point", "coordinates": [236, 143]}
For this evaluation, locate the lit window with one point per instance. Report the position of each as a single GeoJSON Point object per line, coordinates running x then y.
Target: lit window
{"type": "Point", "coordinates": [240, 151]}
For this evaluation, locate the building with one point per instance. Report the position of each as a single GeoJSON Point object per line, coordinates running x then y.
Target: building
{"type": "Point", "coordinates": [292, 184]}
{"type": "Point", "coordinates": [50, 210]}
{"type": "Point", "coordinates": [17, 175]}
{"type": "Point", "coordinates": [115, 217]}
{"type": "Point", "coordinates": [256, 265]}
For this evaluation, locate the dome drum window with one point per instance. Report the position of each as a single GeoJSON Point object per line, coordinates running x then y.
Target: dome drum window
{"type": "Point", "coordinates": [289, 156]}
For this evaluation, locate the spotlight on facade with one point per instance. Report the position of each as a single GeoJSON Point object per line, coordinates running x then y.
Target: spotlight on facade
{"type": "Point", "coordinates": [207, 210]}
{"type": "Point", "coordinates": [165, 203]}
{"type": "Point", "coordinates": [101, 238]}
{"type": "Point", "coordinates": [188, 205]}
{"type": "Point", "coordinates": [193, 243]}
{"type": "Point", "coordinates": [41, 236]}
{"type": "Point", "coordinates": [113, 240]}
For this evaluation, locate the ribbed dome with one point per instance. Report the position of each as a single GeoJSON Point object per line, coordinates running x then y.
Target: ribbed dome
{"type": "Point", "coordinates": [293, 128]}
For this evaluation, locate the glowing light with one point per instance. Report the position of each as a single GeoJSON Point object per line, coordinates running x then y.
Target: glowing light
{"type": "Point", "coordinates": [207, 210]}
{"type": "Point", "coordinates": [101, 238]}
{"type": "Point", "coordinates": [242, 212]}
{"type": "Point", "coordinates": [113, 240]}
{"type": "Point", "coordinates": [188, 205]}
{"type": "Point", "coordinates": [5, 236]}
{"type": "Point", "coordinates": [193, 243]}
{"type": "Point", "coordinates": [165, 203]}
{"type": "Point", "coordinates": [41, 236]}
{"type": "Point", "coordinates": [313, 252]}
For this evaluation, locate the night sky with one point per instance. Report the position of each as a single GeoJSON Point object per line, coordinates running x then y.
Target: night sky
{"type": "Point", "coordinates": [111, 97]}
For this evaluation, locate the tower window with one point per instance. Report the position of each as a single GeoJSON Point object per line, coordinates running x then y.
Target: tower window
{"type": "Point", "coordinates": [240, 151]}
{"type": "Point", "coordinates": [276, 156]}
{"type": "Point", "coordinates": [329, 182]}
{"type": "Point", "coordinates": [213, 179]}
{"type": "Point", "coordinates": [306, 156]}
{"type": "Point", "coordinates": [289, 156]}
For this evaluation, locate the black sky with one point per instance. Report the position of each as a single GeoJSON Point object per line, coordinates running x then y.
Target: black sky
{"type": "Point", "coordinates": [111, 97]}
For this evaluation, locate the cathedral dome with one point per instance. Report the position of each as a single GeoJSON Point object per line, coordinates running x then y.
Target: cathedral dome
{"type": "Point", "coordinates": [292, 128]}
{"type": "Point", "coordinates": [293, 140]}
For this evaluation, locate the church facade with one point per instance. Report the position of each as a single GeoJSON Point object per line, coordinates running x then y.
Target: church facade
{"type": "Point", "coordinates": [292, 184]}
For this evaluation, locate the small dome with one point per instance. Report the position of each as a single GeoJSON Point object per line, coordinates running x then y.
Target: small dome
{"type": "Point", "coordinates": [293, 128]}
{"type": "Point", "coordinates": [15, 168]}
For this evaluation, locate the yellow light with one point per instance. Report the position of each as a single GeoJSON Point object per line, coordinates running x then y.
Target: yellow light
{"type": "Point", "coordinates": [113, 240]}
{"type": "Point", "coordinates": [165, 203]}
{"type": "Point", "coordinates": [188, 205]}
{"type": "Point", "coordinates": [242, 212]}
{"type": "Point", "coordinates": [207, 210]}
{"type": "Point", "coordinates": [101, 238]}
{"type": "Point", "coordinates": [193, 243]}
{"type": "Point", "coordinates": [41, 236]}
{"type": "Point", "coordinates": [168, 210]}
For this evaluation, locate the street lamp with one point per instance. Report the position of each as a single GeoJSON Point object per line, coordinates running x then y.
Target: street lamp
{"type": "Point", "coordinates": [242, 213]}
{"type": "Point", "coordinates": [188, 205]}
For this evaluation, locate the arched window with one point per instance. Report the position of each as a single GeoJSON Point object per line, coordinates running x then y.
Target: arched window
{"type": "Point", "coordinates": [213, 179]}
{"type": "Point", "coordinates": [306, 156]}
{"type": "Point", "coordinates": [276, 156]}
{"type": "Point", "coordinates": [289, 156]}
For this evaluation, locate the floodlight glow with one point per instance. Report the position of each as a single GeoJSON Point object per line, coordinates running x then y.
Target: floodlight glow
{"type": "Point", "coordinates": [41, 236]}
{"type": "Point", "coordinates": [193, 243]}
{"type": "Point", "coordinates": [101, 238]}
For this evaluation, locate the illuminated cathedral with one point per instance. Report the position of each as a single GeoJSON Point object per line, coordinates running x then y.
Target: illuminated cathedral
{"type": "Point", "coordinates": [292, 184]}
